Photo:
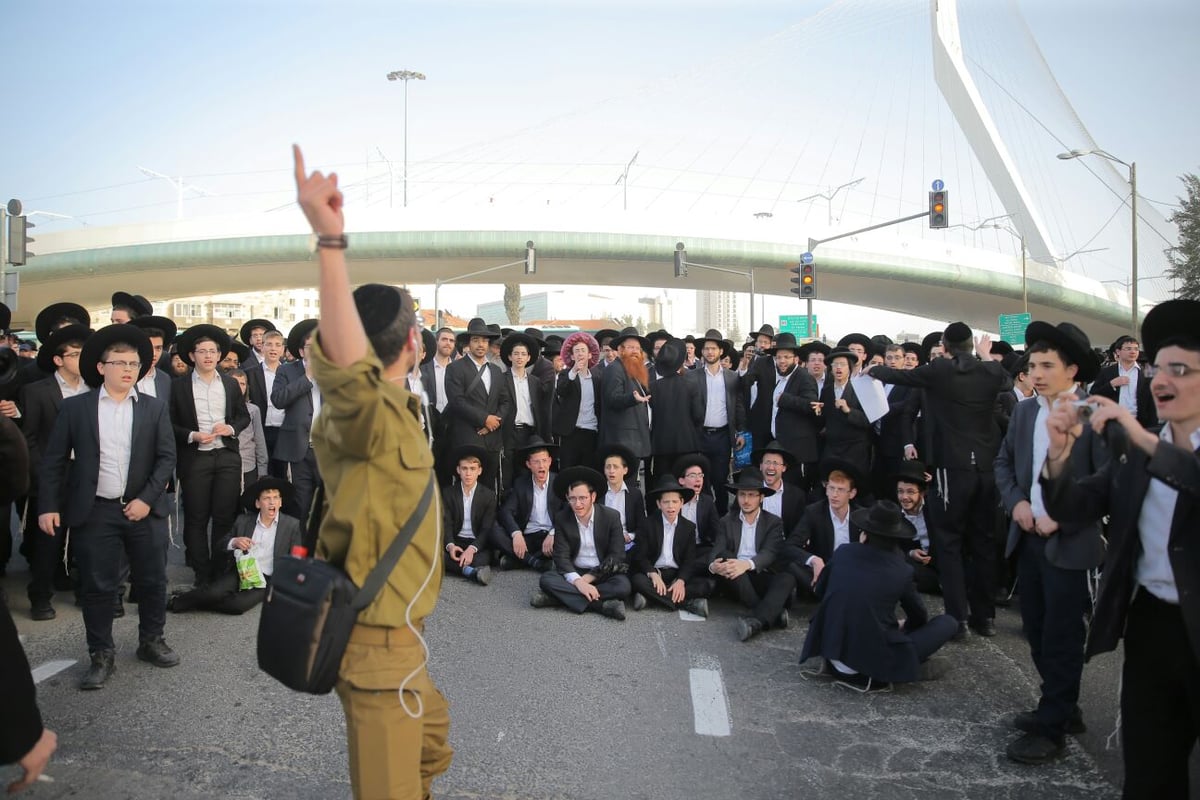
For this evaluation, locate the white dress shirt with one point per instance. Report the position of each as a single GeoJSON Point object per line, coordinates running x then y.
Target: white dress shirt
{"type": "Point", "coordinates": [841, 529]}
{"type": "Point", "coordinates": [666, 559]}
{"type": "Point", "coordinates": [1154, 527]}
{"type": "Point", "coordinates": [146, 385]}
{"type": "Point", "coordinates": [1041, 443]}
{"type": "Point", "coordinates": [274, 414]}
{"type": "Point", "coordinates": [780, 385]}
{"type": "Point", "coordinates": [616, 501]}
{"type": "Point", "coordinates": [67, 390]}
{"type": "Point", "coordinates": [262, 546]}
{"type": "Point", "coordinates": [587, 402]}
{"type": "Point", "coordinates": [716, 415]}
{"type": "Point", "coordinates": [774, 503]}
{"type": "Point", "coordinates": [1127, 396]}
{"type": "Point", "coordinates": [524, 403]}
{"type": "Point", "coordinates": [209, 398]}
{"type": "Point", "coordinates": [115, 421]}
{"type": "Point", "coordinates": [748, 546]}
{"type": "Point", "coordinates": [467, 531]}
{"type": "Point", "coordinates": [588, 558]}
{"type": "Point", "coordinates": [918, 522]}
{"type": "Point", "coordinates": [539, 515]}
{"type": "Point", "coordinates": [485, 374]}
{"type": "Point", "coordinates": [439, 381]}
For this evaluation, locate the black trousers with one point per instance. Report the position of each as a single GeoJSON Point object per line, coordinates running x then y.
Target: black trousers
{"type": "Point", "coordinates": [512, 466]}
{"type": "Point", "coordinates": [483, 554]}
{"type": "Point", "coordinates": [211, 490]}
{"type": "Point", "coordinates": [45, 554]}
{"type": "Point", "coordinates": [714, 445]}
{"type": "Point", "coordinates": [6, 532]}
{"type": "Point", "coordinates": [764, 593]}
{"type": "Point", "coordinates": [1053, 603]}
{"type": "Point", "coordinates": [222, 595]}
{"type": "Point", "coordinates": [502, 541]}
{"type": "Point", "coordinates": [577, 447]}
{"type": "Point", "coordinates": [99, 545]}
{"type": "Point", "coordinates": [930, 637]}
{"type": "Point", "coordinates": [275, 467]}
{"type": "Point", "coordinates": [1160, 700]}
{"type": "Point", "coordinates": [305, 478]}
{"type": "Point", "coordinates": [614, 587]}
{"type": "Point", "coordinates": [695, 587]}
{"type": "Point", "coordinates": [967, 552]}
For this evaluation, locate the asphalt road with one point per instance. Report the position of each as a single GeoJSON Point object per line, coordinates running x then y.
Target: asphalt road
{"type": "Point", "coordinates": [545, 704]}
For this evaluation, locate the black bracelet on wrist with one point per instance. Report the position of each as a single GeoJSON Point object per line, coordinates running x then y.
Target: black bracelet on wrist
{"type": "Point", "coordinates": [333, 242]}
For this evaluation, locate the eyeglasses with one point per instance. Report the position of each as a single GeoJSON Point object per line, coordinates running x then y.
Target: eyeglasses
{"type": "Point", "coordinates": [71, 355]}
{"type": "Point", "coordinates": [206, 352]}
{"type": "Point", "coordinates": [576, 500]}
{"type": "Point", "coordinates": [772, 463]}
{"type": "Point", "coordinates": [837, 489]}
{"type": "Point", "coordinates": [124, 364]}
{"type": "Point", "coordinates": [1176, 370]}
{"type": "Point", "coordinates": [693, 474]}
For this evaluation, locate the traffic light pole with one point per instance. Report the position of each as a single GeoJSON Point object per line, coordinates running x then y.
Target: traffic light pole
{"type": "Point", "coordinates": [747, 274]}
{"type": "Point", "coordinates": [812, 243]}
{"type": "Point", "coordinates": [437, 288]}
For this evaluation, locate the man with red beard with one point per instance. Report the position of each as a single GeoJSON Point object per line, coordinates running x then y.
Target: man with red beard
{"type": "Point", "coordinates": [626, 397]}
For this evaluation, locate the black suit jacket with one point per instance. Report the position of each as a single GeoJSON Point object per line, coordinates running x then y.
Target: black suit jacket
{"type": "Point", "coordinates": [256, 387]}
{"type": "Point", "coordinates": [567, 397]}
{"type": "Point", "coordinates": [649, 545]}
{"type": "Point", "coordinates": [635, 506]}
{"type": "Point", "coordinates": [483, 513]}
{"type": "Point", "coordinates": [847, 436]}
{"type": "Point", "coordinates": [288, 533]}
{"type": "Point", "coordinates": [40, 402]}
{"type": "Point", "coordinates": [606, 530]}
{"type": "Point", "coordinates": [793, 501]}
{"type": "Point", "coordinates": [518, 504]}
{"type": "Point", "coordinates": [707, 520]}
{"type": "Point", "coordinates": [813, 535]}
{"type": "Point", "coordinates": [68, 487]}
{"type": "Point", "coordinates": [795, 424]}
{"type": "Point", "coordinates": [22, 725]}
{"type": "Point", "coordinates": [539, 403]}
{"type": "Point", "coordinates": [1147, 414]}
{"type": "Point", "coordinates": [735, 405]}
{"type": "Point", "coordinates": [469, 403]}
{"type": "Point", "coordinates": [625, 420]}
{"type": "Point", "coordinates": [183, 417]}
{"type": "Point", "coordinates": [677, 413]}
{"type": "Point", "coordinates": [293, 393]}
{"type": "Point", "coordinates": [897, 427]}
{"type": "Point", "coordinates": [768, 538]}
{"type": "Point", "coordinates": [14, 455]}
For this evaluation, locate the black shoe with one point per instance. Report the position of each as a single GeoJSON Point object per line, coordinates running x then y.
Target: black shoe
{"type": "Point", "coordinates": [544, 564]}
{"type": "Point", "coordinates": [984, 627]}
{"type": "Point", "coordinates": [156, 652]}
{"type": "Point", "coordinates": [639, 601]}
{"type": "Point", "coordinates": [99, 672]}
{"type": "Point", "coordinates": [482, 576]}
{"type": "Point", "coordinates": [41, 610]}
{"type": "Point", "coordinates": [782, 622]}
{"type": "Point", "coordinates": [962, 634]}
{"type": "Point", "coordinates": [748, 628]}
{"type": "Point", "coordinates": [507, 562]}
{"type": "Point", "coordinates": [1027, 721]}
{"type": "Point", "coordinates": [540, 599]}
{"type": "Point", "coordinates": [613, 609]}
{"type": "Point", "coordinates": [698, 606]}
{"type": "Point", "coordinates": [1033, 748]}
{"type": "Point", "coordinates": [118, 608]}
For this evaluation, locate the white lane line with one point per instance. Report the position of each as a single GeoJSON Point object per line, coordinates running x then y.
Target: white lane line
{"type": "Point", "coordinates": [710, 707]}
{"type": "Point", "coordinates": [688, 616]}
{"type": "Point", "coordinates": [51, 668]}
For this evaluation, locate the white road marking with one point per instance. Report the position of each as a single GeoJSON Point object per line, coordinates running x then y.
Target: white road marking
{"type": "Point", "coordinates": [50, 669]}
{"type": "Point", "coordinates": [499, 735]}
{"type": "Point", "coordinates": [688, 616]}
{"type": "Point", "coordinates": [710, 707]}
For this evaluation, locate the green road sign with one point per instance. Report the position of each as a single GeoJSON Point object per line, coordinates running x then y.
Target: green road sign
{"type": "Point", "coordinates": [1012, 328]}
{"type": "Point", "coordinates": [797, 325]}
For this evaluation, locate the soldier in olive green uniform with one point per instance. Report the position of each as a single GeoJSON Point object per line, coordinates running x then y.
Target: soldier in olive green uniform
{"type": "Point", "coordinates": [376, 463]}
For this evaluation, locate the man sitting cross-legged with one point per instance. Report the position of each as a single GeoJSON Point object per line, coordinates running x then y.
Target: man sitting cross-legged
{"type": "Point", "coordinates": [469, 518]}
{"type": "Point", "coordinates": [527, 516]}
{"type": "Point", "coordinates": [589, 551]}
{"type": "Point", "coordinates": [665, 566]}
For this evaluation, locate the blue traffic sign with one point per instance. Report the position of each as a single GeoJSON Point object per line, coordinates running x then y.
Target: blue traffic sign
{"type": "Point", "coordinates": [806, 258]}
{"type": "Point", "coordinates": [938, 185]}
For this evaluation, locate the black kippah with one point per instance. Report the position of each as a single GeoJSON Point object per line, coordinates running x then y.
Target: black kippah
{"type": "Point", "coordinates": [378, 306]}
{"type": "Point", "coordinates": [957, 332]}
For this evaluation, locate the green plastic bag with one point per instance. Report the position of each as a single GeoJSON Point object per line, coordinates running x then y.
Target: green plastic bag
{"type": "Point", "coordinates": [249, 574]}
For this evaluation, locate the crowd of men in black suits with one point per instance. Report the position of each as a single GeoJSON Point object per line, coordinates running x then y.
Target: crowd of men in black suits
{"type": "Point", "coordinates": [665, 471]}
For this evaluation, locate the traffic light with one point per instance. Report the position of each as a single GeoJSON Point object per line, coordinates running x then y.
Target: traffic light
{"type": "Point", "coordinates": [939, 210]}
{"type": "Point", "coordinates": [19, 239]}
{"type": "Point", "coordinates": [530, 259]}
{"type": "Point", "coordinates": [805, 278]}
{"type": "Point", "coordinates": [680, 261]}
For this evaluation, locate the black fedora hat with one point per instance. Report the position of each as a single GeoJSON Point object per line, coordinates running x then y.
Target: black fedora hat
{"type": "Point", "coordinates": [773, 447]}
{"type": "Point", "coordinates": [57, 338]}
{"type": "Point", "coordinates": [535, 444]}
{"type": "Point", "coordinates": [1069, 340]}
{"type": "Point", "coordinates": [296, 336]}
{"type": "Point", "coordinates": [915, 349]}
{"type": "Point", "coordinates": [468, 451]}
{"type": "Point", "coordinates": [729, 350]}
{"type": "Point", "coordinates": [657, 336]}
{"type": "Point", "coordinates": [476, 327]}
{"type": "Point", "coordinates": [137, 304]}
{"type": "Point", "coordinates": [242, 351]}
{"type": "Point", "coordinates": [605, 333]}
{"type": "Point", "coordinates": [711, 335]}
{"type": "Point", "coordinates": [765, 330]}
{"type": "Point", "coordinates": [665, 484]}
{"type": "Point", "coordinates": [630, 333]}
{"type": "Point", "coordinates": [816, 346]}
{"type": "Point", "coordinates": [429, 342]}
{"type": "Point", "coordinates": [532, 346]}
{"type": "Point", "coordinates": [785, 341]}
{"type": "Point", "coordinates": [1001, 348]}
{"type": "Point", "coordinates": [606, 451]}
{"type": "Point", "coordinates": [912, 472]}
{"type": "Point", "coordinates": [570, 475]}
{"type": "Point", "coordinates": [842, 352]}
{"type": "Point", "coordinates": [884, 518]}
{"type": "Point", "coordinates": [687, 460]}
{"type": "Point", "coordinates": [49, 318]}
{"type": "Point", "coordinates": [247, 329]}
{"type": "Point", "coordinates": [670, 357]}
{"type": "Point", "coordinates": [750, 478]}
{"type": "Point", "coordinates": [186, 342]}
{"type": "Point", "coordinates": [840, 465]}
{"type": "Point", "coordinates": [553, 346]}
{"type": "Point", "coordinates": [930, 341]}
{"type": "Point", "coordinates": [263, 484]}
{"type": "Point", "coordinates": [106, 337]}
{"type": "Point", "coordinates": [164, 324]}
{"type": "Point", "coordinates": [1168, 320]}
{"type": "Point", "coordinates": [856, 338]}
{"type": "Point", "coordinates": [536, 333]}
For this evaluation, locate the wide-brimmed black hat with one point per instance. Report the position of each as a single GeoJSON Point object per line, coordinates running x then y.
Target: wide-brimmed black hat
{"type": "Point", "coordinates": [1001, 348]}
{"type": "Point", "coordinates": [263, 484]}
{"type": "Point", "coordinates": [535, 333]}
{"type": "Point", "coordinates": [670, 357]}
{"type": "Point", "coordinates": [884, 518]}
{"type": "Point", "coordinates": [532, 346]}
{"type": "Point", "coordinates": [915, 349]}
{"type": "Point", "coordinates": [467, 451]}
{"type": "Point", "coordinates": [165, 324]}
{"type": "Point", "coordinates": [553, 346]}
{"type": "Point", "coordinates": [605, 333]}
{"type": "Point", "coordinates": [691, 460]}
{"type": "Point", "coordinates": [247, 329]}
{"type": "Point", "coordinates": [840, 465]}
{"type": "Point", "coordinates": [242, 351]}
{"type": "Point", "coordinates": [534, 444]}
{"type": "Point", "coordinates": [785, 341]}
{"type": "Point", "coordinates": [656, 336]}
{"type": "Point", "coordinates": [750, 478]}
{"type": "Point", "coordinates": [59, 337]}
{"type": "Point", "coordinates": [711, 335]}
{"type": "Point", "coordinates": [139, 305]}
{"type": "Point", "coordinates": [1071, 342]}
{"type": "Point", "coordinates": [429, 342]}
{"type": "Point", "coordinates": [564, 479]}
{"type": "Point", "coordinates": [856, 338]}
{"type": "Point", "coordinates": [772, 447]}
{"type": "Point", "coordinates": [841, 352]}
{"type": "Point", "coordinates": [664, 484]}
{"type": "Point", "coordinates": [47, 319]}
{"type": "Point", "coordinates": [912, 472]}
{"type": "Point", "coordinates": [930, 341]}
{"type": "Point", "coordinates": [631, 333]}
{"type": "Point", "coordinates": [816, 346]}
{"type": "Point", "coordinates": [1168, 320]}
{"type": "Point", "coordinates": [296, 336]}
{"type": "Point", "coordinates": [765, 330]}
{"type": "Point", "coordinates": [101, 340]}
{"type": "Point", "coordinates": [476, 327]}
{"type": "Point", "coordinates": [613, 449]}
{"type": "Point", "coordinates": [728, 348]}
{"type": "Point", "coordinates": [186, 342]}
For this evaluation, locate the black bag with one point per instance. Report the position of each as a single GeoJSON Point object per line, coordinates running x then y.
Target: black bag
{"type": "Point", "coordinates": [311, 607]}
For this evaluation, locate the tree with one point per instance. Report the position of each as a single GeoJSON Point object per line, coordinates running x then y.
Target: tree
{"type": "Point", "coordinates": [1185, 257]}
{"type": "Point", "coordinates": [512, 303]}
{"type": "Point", "coordinates": [627, 321]}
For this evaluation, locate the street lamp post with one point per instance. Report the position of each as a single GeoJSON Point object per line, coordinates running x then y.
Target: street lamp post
{"type": "Point", "coordinates": [405, 75]}
{"type": "Point", "coordinates": [1132, 165]}
{"type": "Point", "coordinates": [832, 193]}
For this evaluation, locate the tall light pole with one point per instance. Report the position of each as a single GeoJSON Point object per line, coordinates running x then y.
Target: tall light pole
{"type": "Point", "coordinates": [1132, 165]}
{"type": "Point", "coordinates": [405, 75]}
{"type": "Point", "coordinates": [829, 195]}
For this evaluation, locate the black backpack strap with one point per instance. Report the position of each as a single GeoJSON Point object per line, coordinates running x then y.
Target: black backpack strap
{"type": "Point", "coordinates": [379, 575]}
